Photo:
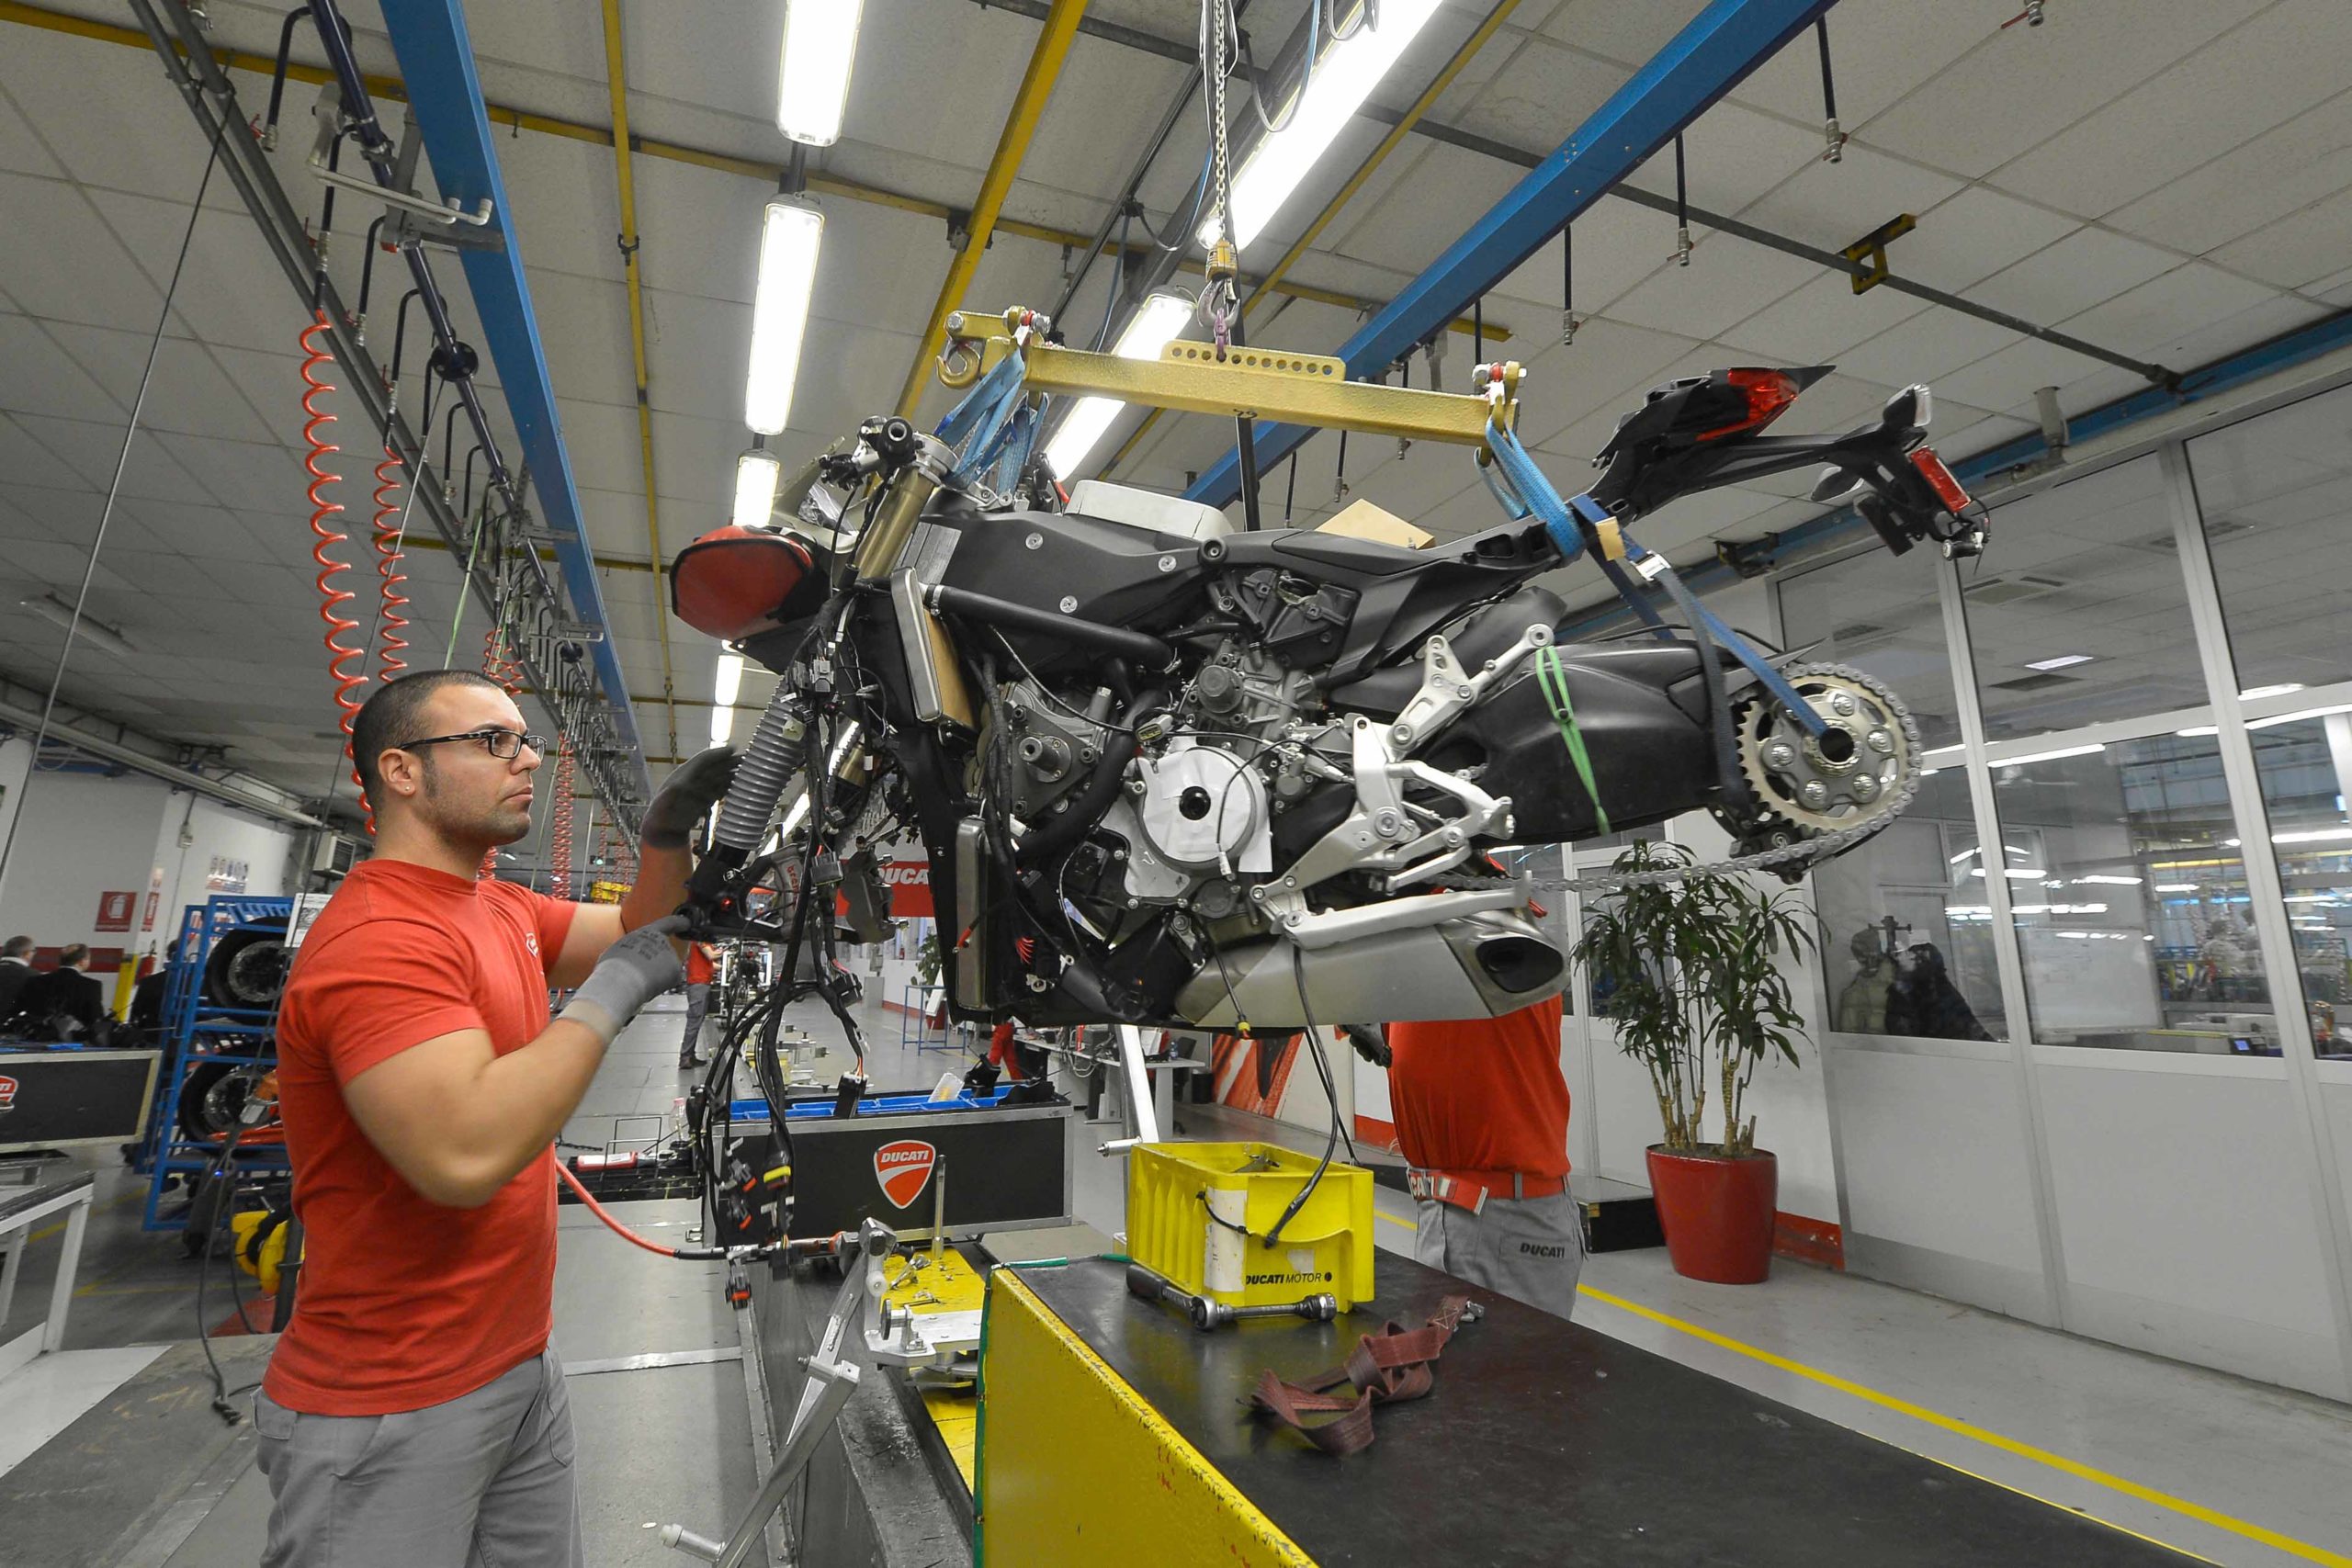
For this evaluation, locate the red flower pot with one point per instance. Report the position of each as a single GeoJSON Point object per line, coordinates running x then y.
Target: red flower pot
{"type": "Point", "coordinates": [1716, 1210]}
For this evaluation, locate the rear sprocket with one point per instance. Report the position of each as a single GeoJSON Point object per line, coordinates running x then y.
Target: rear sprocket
{"type": "Point", "coordinates": [1857, 774]}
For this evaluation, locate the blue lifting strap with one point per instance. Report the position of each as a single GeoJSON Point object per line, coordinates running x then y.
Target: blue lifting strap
{"type": "Point", "coordinates": [992, 427]}
{"type": "Point", "coordinates": [1564, 520]}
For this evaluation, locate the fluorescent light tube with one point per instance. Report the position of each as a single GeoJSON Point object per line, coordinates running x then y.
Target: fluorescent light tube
{"type": "Point", "coordinates": [2296, 717]}
{"type": "Point", "coordinates": [2047, 756]}
{"type": "Point", "coordinates": [51, 608]}
{"type": "Point", "coordinates": [2250, 693]}
{"type": "Point", "coordinates": [2059, 662]}
{"type": "Point", "coordinates": [2111, 881]}
{"type": "Point", "coordinates": [757, 473]}
{"type": "Point", "coordinates": [1155, 325]}
{"type": "Point", "coordinates": [812, 76]}
{"type": "Point", "coordinates": [723, 688]}
{"type": "Point", "coordinates": [791, 236]}
{"type": "Point", "coordinates": [1336, 88]}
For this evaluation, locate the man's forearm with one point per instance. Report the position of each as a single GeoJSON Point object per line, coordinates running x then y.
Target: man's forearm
{"type": "Point", "coordinates": [661, 886]}
{"type": "Point", "coordinates": [530, 1093]}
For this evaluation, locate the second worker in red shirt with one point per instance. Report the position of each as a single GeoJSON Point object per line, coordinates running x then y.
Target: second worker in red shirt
{"type": "Point", "coordinates": [1481, 1109]}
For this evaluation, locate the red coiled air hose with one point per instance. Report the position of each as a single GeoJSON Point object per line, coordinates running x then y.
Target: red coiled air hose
{"type": "Point", "coordinates": [392, 643]}
{"type": "Point", "coordinates": [559, 824]}
{"type": "Point", "coordinates": [501, 667]}
{"type": "Point", "coordinates": [340, 655]}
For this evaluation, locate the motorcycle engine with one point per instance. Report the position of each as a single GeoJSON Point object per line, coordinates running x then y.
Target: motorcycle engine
{"type": "Point", "coordinates": [1195, 812]}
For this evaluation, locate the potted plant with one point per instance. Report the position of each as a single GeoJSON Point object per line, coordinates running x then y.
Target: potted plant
{"type": "Point", "coordinates": [1700, 996]}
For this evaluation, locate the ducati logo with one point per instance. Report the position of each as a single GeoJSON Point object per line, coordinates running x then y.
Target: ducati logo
{"type": "Point", "coordinates": [903, 1167]}
{"type": "Point", "coordinates": [8, 1101]}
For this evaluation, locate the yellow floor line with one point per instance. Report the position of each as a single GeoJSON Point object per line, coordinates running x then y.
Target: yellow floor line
{"type": "Point", "coordinates": [2059, 1462]}
{"type": "Point", "coordinates": [1394, 1220]}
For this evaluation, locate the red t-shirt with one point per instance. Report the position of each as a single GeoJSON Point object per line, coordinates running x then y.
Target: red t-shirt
{"type": "Point", "coordinates": [700, 970]}
{"type": "Point", "coordinates": [1482, 1095]}
{"type": "Point", "coordinates": [404, 1303]}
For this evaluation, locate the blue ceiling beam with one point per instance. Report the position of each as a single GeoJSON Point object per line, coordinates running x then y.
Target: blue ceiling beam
{"type": "Point", "coordinates": [437, 68]}
{"type": "Point", "coordinates": [1704, 61]}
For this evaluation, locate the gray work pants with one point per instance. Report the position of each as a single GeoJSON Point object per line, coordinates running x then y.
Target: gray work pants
{"type": "Point", "coordinates": [698, 1007]}
{"type": "Point", "coordinates": [484, 1480]}
{"type": "Point", "coordinates": [1530, 1250]}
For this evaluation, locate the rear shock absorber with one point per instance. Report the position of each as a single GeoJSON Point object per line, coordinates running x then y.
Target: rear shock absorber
{"type": "Point", "coordinates": [766, 766]}
{"type": "Point", "coordinates": [332, 597]}
{"type": "Point", "coordinates": [393, 641]}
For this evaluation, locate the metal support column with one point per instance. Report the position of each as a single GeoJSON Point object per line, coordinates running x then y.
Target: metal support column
{"type": "Point", "coordinates": [2007, 957]}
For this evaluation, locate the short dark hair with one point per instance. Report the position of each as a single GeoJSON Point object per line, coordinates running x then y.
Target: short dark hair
{"type": "Point", "coordinates": [390, 716]}
{"type": "Point", "coordinates": [16, 947]}
{"type": "Point", "coordinates": [75, 952]}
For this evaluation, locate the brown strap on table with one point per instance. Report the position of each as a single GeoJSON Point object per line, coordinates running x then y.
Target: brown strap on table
{"type": "Point", "coordinates": [1384, 1368]}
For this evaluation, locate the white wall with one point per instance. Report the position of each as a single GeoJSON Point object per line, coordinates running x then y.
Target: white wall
{"type": "Point", "coordinates": [1938, 1178]}
{"type": "Point", "coordinates": [83, 834]}
{"type": "Point", "coordinates": [16, 755]}
{"type": "Point", "coordinates": [2185, 1222]}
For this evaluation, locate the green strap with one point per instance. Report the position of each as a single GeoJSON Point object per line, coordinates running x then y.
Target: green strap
{"type": "Point", "coordinates": [1555, 684]}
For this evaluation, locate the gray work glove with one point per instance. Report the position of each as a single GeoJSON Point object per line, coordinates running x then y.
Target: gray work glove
{"type": "Point", "coordinates": [633, 971]}
{"type": "Point", "coordinates": [1371, 1043]}
{"type": "Point", "coordinates": [686, 797]}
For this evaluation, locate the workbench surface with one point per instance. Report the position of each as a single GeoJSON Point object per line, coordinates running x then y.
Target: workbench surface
{"type": "Point", "coordinates": [1546, 1443]}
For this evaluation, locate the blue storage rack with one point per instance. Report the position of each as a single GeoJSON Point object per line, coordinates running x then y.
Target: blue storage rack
{"type": "Point", "coordinates": [197, 1032]}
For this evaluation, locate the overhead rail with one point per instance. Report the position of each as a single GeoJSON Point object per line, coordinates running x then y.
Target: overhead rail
{"type": "Point", "coordinates": [445, 97]}
{"type": "Point", "coordinates": [1709, 57]}
{"type": "Point", "coordinates": [495, 552]}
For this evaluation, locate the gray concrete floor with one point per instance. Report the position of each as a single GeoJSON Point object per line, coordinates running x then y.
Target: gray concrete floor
{"type": "Point", "coordinates": [2233, 1472]}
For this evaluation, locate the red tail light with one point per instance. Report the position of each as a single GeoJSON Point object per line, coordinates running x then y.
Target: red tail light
{"type": "Point", "coordinates": [1767, 391]}
{"type": "Point", "coordinates": [1940, 479]}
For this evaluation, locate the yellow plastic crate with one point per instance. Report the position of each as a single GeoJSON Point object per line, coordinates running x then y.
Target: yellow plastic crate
{"type": "Point", "coordinates": [1190, 1204]}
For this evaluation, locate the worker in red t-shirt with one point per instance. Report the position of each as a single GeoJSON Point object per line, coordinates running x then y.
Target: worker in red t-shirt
{"type": "Point", "coordinates": [1481, 1109]}
{"type": "Point", "coordinates": [413, 1412]}
{"type": "Point", "coordinates": [702, 968]}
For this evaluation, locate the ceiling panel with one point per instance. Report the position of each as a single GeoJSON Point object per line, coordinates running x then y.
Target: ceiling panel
{"type": "Point", "coordinates": [60, 261]}
{"type": "Point", "coordinates": [1879, 51]}
{"type": "Point", "coordinates": [1727, 281]}
{"type": "Point", "coordinates": [2024, 85]}
{"type": "Point", "coordinates": [2248, 81]}
{"type": "Point", "coordinates": [1833, 205]}
{"type": "Point", "coordinates": [37, 375]}
{"type": "Point", "coordinates": [1542, 96]}
{"type": "Point", "coordinates": [2303, 161]}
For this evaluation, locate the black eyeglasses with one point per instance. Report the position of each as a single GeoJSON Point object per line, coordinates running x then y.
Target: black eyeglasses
{"type": "Point", "coordinates": [504, 744]}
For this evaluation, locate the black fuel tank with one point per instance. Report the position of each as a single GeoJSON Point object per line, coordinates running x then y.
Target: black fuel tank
{"type": "Point", "coordinates": [1096, 571]}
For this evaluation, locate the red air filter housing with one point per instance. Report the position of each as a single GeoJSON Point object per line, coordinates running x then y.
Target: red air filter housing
{"type": "Point", "coordinates": [737, 582]}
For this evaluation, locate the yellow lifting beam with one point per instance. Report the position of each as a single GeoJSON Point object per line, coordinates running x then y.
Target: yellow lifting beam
{"type": "Point", "coordinates": [1260, 383]}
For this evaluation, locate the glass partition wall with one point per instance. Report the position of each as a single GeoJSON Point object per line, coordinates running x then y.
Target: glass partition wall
{"type": "Point", "coordinates": [2098, 978]}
